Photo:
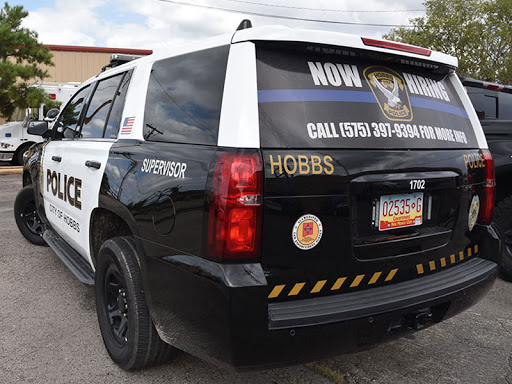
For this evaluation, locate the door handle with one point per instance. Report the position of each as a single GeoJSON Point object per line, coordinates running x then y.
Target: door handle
{"type": "Point", "coordinates": [93, 164]}
{"type": "Point", "coordinates": [57, 158]}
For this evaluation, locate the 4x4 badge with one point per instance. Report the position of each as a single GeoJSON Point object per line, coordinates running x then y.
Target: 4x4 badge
{"type": "Point", "coordinates": [390, 91]}
{"type": "Point", "coordinates": [307, 232]}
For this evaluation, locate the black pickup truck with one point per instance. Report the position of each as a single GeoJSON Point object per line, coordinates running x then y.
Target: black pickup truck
{"type": "Point", "coordinates": [493, 104]}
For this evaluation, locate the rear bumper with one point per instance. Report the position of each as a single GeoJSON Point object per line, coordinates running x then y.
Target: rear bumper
{"type": "Point", "coordinates": [221, 312]}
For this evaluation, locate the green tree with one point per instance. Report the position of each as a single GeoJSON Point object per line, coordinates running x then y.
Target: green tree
{"type": "Point", "coordinates": [477, 32]}
{"type": "Point", "coordinates": [20, 57]}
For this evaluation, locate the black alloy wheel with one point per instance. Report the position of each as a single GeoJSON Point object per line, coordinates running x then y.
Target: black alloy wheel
{"type": "Point", "coordinates": [116, 305]}
{"type": "Point", "coordinates": [128, 332]}
{"type": "Point", "coordinates": [27, 219]}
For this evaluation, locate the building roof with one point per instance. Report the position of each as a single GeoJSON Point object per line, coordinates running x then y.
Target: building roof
{"type": "Point", "coordinates": [77, 48]}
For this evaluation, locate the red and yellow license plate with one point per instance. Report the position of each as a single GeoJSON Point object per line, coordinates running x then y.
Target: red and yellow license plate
{"type": "Point", "coordinates": [399, 211]}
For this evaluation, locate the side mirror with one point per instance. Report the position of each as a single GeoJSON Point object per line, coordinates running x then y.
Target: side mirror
{"type": "Point", "coordinates": [52, 113]}
{"type": "Point", "coordinates": [37, 128]}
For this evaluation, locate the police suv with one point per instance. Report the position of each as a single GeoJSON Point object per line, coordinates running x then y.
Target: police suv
{"type": "Point", "coordinates": [267, 197]}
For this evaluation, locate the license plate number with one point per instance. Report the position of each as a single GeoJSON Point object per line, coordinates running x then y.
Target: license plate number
{"type": "Point", "coordinates": [399, 211]}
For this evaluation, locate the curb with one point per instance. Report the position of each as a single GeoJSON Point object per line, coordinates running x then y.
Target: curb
{"type": "Point", "coordinates": [11, 170]}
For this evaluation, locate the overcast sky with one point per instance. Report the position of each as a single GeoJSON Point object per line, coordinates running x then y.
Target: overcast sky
{"type": "Point", "coordinates": [153, 24]}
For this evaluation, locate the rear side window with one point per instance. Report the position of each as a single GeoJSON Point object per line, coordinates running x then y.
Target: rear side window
{"type": "Point", "coordinates": [100, 106]}
{"type": "Point", "coordinates": [114, 119]}
{"type": "Point", "coordinates": [184, 97]}
{"type": "Point", "coordinates": [324, 97]}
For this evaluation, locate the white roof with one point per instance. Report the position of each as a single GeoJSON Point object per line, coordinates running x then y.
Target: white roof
{"type": "Point", "coordinates": [281, 33]}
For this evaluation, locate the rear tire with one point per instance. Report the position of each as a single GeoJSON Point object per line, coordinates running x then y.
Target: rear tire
{"type": "Point", "coordinates": [503, 219]}
{"type": "Point", "coordinates": [27, 219]}
{"type": "Point", "coordinates": [126, 326]}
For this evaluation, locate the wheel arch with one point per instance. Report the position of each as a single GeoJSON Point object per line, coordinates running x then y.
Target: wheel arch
{"type": "Point", "coordinates": [110, 219]}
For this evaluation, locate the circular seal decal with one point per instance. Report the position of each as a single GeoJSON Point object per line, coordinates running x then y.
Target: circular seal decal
{"type": "Point", "coordinates": [473, 212]}
{"type": "Point", "coordinates": [307, 232]}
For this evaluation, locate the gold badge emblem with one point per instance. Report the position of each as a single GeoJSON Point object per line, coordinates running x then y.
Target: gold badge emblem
{"type": "Point", "coordinates": [307, 232]}
{"type": "Point", "coordinates": [474, 209]}
{"type": "Point", "coordinates": [391, 93]}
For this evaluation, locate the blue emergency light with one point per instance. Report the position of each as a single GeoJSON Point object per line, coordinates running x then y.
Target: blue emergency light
{"type": "Point", "coordinates": [7, 135]}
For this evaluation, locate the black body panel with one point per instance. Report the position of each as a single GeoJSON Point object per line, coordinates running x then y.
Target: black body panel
{"type": "Point", "coordinates": [351, 245]}
{"type": "Point", "coordinates": [220, 312]}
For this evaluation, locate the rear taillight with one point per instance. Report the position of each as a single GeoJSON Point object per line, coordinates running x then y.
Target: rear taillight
{"type": "Point", "coordinates": [489, 190]}
{"type": "Point", "coordinates": [234, 222]}
{"type": "Point", "coordinates": [396, 46]}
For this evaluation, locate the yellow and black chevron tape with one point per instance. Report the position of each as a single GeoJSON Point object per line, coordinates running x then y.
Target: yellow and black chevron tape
{"type": "Point", "coordinates": [445, 261]}
{"type": "Point", "coordinates": [355, 281]}
{"type": "Point", "coordinates": [322, 284]}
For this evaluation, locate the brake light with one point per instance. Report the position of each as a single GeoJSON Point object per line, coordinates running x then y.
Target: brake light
{"type": "Point", "coordinates": [489, 190]}
{"type": "Point", "coordinates": [493, 86]}
{"type": "Point", "coordinates": [53, 96]}
{"type": "Point", "coordinates": [234, 222]}
{"type": "Point", "coordinates": [396, 46]}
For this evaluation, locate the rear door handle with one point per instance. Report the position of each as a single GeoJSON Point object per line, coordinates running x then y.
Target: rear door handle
{"type": "Point", "coordinates": [93, 164]}
{"type": "Point", "coordinates": [57, 158]}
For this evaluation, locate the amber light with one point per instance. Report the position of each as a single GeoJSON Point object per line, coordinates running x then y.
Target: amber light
{"type": "Point", "coordinates": [234, 222]}
{"type": "Point", "coordinates": [396, 46]}
{"type": "Point", "coordinates": [489, 190]}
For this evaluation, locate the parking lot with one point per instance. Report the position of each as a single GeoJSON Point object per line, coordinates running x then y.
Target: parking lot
{"type": "Point", "coordinates": [49, 334]}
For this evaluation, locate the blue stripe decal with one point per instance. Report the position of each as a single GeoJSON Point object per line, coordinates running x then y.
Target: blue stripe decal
{"type": "Point", "coordinates": [290, 95]}
{"type": "Point", "coordinates": [438, 106]}
{"type": "Point", "coordinates": [294, 95]}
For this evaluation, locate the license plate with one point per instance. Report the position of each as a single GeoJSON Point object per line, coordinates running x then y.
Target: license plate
{"type": "Point", "coordinates": [400, 211]}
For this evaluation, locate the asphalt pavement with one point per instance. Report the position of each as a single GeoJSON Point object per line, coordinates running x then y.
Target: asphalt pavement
{"type": "Point", "coordinates": [49, 334]}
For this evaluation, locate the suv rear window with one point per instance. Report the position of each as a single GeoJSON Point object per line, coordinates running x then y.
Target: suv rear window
{"type": "Point", "coordinates": [321, 97]}
{"type": "Point", "coordinates": [491, 104]}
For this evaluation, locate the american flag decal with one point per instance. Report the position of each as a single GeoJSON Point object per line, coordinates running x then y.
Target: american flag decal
{"type": "Point", "coordinates": [126, 129]}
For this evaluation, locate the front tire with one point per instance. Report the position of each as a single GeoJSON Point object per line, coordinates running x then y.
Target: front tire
{"type": "Point", "coordinates": [126, 326]}
{"type": "Point", "coordinates": [27, 219]}
{"type": "Point", "coordinates": [503, 219]}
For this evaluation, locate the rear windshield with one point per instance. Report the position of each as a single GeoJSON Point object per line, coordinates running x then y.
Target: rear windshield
{"type": "Point", "coordinates": [320, 97]}
{"type": "Point", "coordinates": [490, 104]}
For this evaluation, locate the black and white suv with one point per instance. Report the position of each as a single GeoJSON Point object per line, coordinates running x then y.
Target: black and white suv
{"type": "Point", "coordinates": [267, 197]}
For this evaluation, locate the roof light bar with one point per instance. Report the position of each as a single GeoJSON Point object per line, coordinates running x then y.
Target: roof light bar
{"type": "Point", "coordinates": [396, 46]}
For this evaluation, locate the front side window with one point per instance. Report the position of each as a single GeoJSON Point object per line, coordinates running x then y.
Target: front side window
{"type": "Point", "coordinates": [69, 118]}
{"type": "Point", "coordinates": [99, 107]}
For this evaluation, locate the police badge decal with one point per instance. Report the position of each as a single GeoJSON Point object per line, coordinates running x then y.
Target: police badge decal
{"type": "Point", "coordinates": [474, 209]}
{"type": "Point", "coordinates": [391, 93]}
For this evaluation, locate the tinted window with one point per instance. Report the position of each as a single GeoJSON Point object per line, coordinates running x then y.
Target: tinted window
{"type": "Point", "coordinates": [70, 115]}
{"type": "Point", "coordinates": [505, 106]}
{"type": "Point", "coordinates": [99, 107]}
{"type": "Point", "coordinates": [184, 97]}
{"type": "Point", "coordinates": [484, 102]}
{"type": "Point", "coordinates": [320, 97]}
{"type": "Point", "coordinates": [114, 119]}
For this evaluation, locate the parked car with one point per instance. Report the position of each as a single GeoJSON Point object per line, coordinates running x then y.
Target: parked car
{"type": "Point", "coordinates": [493, 105]}
{"type": "Point", "coordinates": [267, 197]}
